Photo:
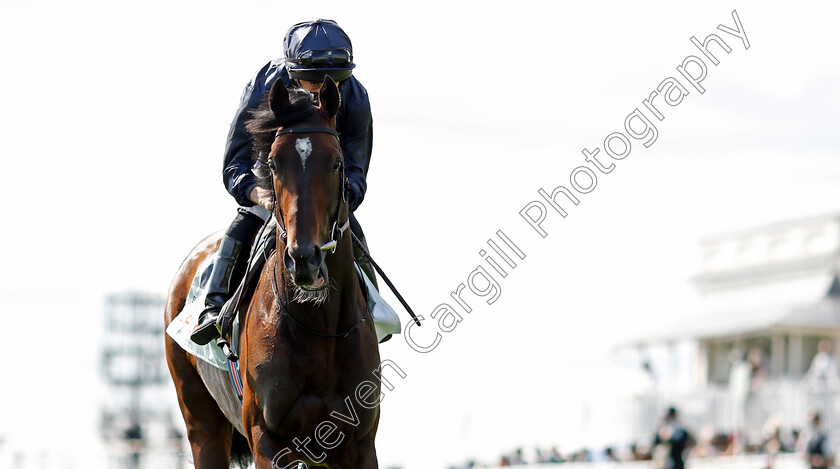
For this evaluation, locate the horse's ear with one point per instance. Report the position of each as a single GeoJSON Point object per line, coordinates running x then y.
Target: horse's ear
{"type": "Point", "coordinates": [330, 99]}
{"type": "Point", "coordinates": [278, 97]}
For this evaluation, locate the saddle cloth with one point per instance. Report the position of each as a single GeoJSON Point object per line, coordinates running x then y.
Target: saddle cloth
{"type": "Point", "coordinates": [385, 319]}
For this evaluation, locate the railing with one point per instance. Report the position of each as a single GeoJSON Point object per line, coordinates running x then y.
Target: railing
{"type": "Point", "coordinates": [786, 405]}
{"type": "Point", "coordinates": [757, 461]}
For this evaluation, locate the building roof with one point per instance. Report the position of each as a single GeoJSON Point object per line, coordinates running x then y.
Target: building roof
{"type": "Point", "coordinates": [811, 302]}
{"type": "Point", "coordinates": [767, 279]}
{"type": "Point", "coordinates": [804, 303]}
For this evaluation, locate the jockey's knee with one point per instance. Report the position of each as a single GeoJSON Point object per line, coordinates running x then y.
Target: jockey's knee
{"type": "Point", "coordinates": [245, 226]}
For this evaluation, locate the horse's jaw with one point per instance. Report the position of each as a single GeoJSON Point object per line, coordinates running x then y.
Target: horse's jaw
{"type": "Point", "coordinates": [314, 296]}
{"type": "Point", "coordinates": [337, 270]}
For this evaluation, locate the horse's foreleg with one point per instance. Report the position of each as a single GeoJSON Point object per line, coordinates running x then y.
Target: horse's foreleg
{"type": "Point", "coordinates": [366, 458]}
{"type": "Point", "coordinates": [208, 431]}
{"type": "Point", "coordinates": [210, 446]}
{"type": "Point", "coordinates": [366, 453]}
{"type": "Point", "coordinates": [361, 455]}
{"type": "Point", "coordinates": [268, 452]}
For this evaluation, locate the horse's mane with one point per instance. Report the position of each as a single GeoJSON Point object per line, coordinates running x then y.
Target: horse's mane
{"type": "Point", "coordinates": [263, 125]}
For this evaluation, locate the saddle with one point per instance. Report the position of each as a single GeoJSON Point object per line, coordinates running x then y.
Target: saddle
{"type": "Point", "coordinates": [264, 246]}
{"type": "Point", "coordinates": [385, 319]}
{"type": "Point", "coordinates": [223, 351]}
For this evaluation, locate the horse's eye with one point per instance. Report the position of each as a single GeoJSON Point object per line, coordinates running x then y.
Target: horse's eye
{"type": "Point", "coordinates": [337, 164]}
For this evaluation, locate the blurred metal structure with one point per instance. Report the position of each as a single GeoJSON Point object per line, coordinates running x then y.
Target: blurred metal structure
{"type": "Point", "coordinates": [138, 416]}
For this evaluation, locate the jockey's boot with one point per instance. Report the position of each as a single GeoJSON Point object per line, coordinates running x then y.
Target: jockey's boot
{"type": "Point", "coordinates": [364, 262]}
{"type": "Point", "coordinates": [218, 289]}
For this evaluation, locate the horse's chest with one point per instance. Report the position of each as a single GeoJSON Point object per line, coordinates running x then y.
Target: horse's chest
{"type": "Point", "coordinates": [317, 415]}
{"type": "Point", "coordinates": [302, 392]}
{"type": "Point", "coordinates": [302, 401]}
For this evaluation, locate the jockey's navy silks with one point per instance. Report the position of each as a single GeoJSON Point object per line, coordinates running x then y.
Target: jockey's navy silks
{"type": "Point", "coordinates": [353, 121]}
{"type": "Point", "coordinates": [313, 51]}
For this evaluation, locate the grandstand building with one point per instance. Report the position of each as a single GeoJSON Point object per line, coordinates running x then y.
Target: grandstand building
{"type": "Point", "coordinates": [743, 363]}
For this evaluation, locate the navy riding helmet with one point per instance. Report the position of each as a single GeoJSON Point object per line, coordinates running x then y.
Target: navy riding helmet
{"type": "Point", "coordinates": [318, 48]}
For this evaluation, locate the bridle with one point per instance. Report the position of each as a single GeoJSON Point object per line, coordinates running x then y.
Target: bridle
{"type": "Point", "coordinates": [336, 232]}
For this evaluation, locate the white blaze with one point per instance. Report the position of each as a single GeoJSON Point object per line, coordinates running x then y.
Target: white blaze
{"type": "Point", "coordinates": [304, 149]}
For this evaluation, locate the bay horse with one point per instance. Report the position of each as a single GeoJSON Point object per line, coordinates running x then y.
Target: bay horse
{"type": "Point", "coordinates": [307, 340]}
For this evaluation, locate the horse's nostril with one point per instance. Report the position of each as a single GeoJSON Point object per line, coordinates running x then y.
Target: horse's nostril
{"type": "Point", "coordinates": [288, 261]}
{"type": "Point", "coordinates": [316, 258]}
{"type": "Point", "coordinates": [309, 259]}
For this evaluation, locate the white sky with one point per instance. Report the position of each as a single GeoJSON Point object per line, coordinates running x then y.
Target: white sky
{"type": "Point", "coordinates": [114, 117]}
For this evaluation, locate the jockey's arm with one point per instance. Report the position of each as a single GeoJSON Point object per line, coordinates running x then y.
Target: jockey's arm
{"type": "Point", "coordinates": [356, 129]}
{"type": "Point", "coordinates": [238, 178]}
{"type": "Point", "coordinates": [355, 126]}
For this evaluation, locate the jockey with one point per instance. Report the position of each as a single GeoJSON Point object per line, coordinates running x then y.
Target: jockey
{"type": "Point", "coordinates": [313, 49]}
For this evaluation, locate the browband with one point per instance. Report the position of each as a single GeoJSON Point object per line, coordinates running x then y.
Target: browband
{"type": "Point", "coordinates": [306, 130]}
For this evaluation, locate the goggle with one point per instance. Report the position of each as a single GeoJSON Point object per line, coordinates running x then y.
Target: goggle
{"type": "Point", "coordinates": [332, 58]}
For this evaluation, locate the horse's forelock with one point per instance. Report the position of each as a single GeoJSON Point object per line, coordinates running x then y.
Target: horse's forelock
{"type": "Point", "coordinates": [264, 122]}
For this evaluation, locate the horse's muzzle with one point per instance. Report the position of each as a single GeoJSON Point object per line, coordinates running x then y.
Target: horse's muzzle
{"type": "Point", "coordinates": [306, 266]}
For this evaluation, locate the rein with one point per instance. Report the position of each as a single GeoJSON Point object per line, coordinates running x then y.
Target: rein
{"type": "Point", "coordinates": [331, 245]}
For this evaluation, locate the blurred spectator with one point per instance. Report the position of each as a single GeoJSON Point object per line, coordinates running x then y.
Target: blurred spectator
{"type": "Point", "coordinates": [504, 462]}
{"type": "Point", "coordinates": [705, 443]}
{"type": "Point", "coordinates": [818, 451]}
{"type": "Point", "coordinates": [540, 457]}
{"type": "Point", "coordinates": [555, 455]}
{"type": "Point", "coordinates": [772, 440]}
{"type": "Point", "coordinates": [610, 454]}
{"type": "Point", "coordinates": [583, 455]}
{"type": "Point", "coordinates": [822, 374]}
{"type": "Point", "coordinates": [639, 454]}
{"type": "Point", "coordinates": [758, 372]}
{"type": "Point", "coordinates": [724, 443]}
{"type": "Point", "coordinates": [740, 373]}
{"type": "Point", "coordinates": [795, 436]}
{"type": "Point", "coordinates": [134, 432]}
{"type": "Point", "coordinates": [771, 443]}
{"type": "Point", "coordinates": [517, 458]}
{"type": "Point", "coordinates": [670, 443]}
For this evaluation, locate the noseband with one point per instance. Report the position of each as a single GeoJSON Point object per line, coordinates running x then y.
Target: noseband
{"type": "Point", "coordinates": [336, 231]}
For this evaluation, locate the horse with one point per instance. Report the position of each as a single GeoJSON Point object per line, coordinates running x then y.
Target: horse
{"type": "Point", "coordinates": [307, 340]}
